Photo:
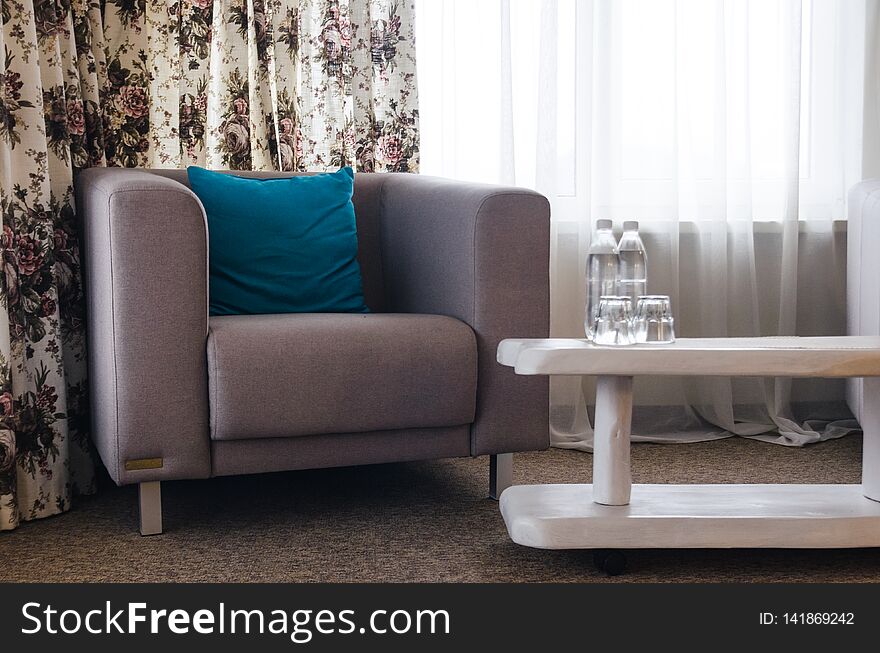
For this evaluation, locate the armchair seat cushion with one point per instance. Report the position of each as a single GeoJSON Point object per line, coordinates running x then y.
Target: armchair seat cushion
{"type": "Point", "coordinates": [278, 376]}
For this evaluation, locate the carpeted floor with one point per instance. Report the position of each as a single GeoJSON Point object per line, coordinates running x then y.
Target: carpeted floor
{"type": "Point", "coordinates": [412, 522]}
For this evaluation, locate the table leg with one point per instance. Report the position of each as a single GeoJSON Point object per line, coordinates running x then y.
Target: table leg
{"type": "Point", "coordinates": [612, 478]}
{"type": "Point", "coordinates": [870, 420]}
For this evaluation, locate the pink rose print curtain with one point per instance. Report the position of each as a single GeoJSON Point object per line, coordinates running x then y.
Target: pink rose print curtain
{"type": "Point", "coordinates": [292, 85]}
{"type": "Point", "coordinates": [261, 84]}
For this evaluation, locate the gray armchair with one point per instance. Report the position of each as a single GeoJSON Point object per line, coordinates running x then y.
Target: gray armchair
{"type": "Point", "coordinates": [449, 269]}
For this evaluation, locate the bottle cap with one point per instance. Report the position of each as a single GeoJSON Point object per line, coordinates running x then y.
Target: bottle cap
{"type": "Point", "coordinates": [631, 225]}
{"type": "Point", "coordinates": [603, 224]}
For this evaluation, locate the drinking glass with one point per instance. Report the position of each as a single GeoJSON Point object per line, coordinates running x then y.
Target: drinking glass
{"type": "Point", "coordinates": [653, 320]}
{"type": "Point", "coordinates": [614, 321]}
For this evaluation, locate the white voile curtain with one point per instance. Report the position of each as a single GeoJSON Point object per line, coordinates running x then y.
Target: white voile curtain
{"type": "Point", "coordinates": [730, 130]}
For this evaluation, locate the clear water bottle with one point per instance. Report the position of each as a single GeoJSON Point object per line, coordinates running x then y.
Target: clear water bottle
{"type": "Point", "coordinates": [602, 268]}
{"type": "Point", "coordinates": [632, 275]}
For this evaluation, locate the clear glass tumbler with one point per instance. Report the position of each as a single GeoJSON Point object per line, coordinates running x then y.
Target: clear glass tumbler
{"type": "Point", "coordinates": [653, 320]}
{"type": "Point", "coordinates": [614, 321]}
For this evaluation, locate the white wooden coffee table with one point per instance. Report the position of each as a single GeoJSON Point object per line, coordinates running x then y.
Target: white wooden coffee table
{"type": "Point", "coordinates": [614, 513]}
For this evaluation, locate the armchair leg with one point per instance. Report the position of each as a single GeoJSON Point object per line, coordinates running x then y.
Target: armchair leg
{"type": "Point", "coordinates": [500, 473]}
{"type": "Point", "coordinates": [150, 507]}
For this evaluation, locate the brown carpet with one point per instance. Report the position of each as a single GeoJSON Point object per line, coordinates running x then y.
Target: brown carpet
{"type": "Point", "coordinates": [412, 522]}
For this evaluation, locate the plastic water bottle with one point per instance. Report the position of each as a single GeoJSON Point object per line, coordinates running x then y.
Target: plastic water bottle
{"type": "Point", "coordinates": [632, 276]}
{"type": "Point", "coordinates": [602, 268]}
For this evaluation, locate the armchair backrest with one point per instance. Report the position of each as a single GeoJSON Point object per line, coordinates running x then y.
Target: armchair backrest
{"type": "Point", "coordinates": [367, 187]}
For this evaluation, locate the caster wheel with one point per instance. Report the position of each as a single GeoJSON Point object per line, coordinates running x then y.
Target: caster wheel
{"type": "Point", "coordinates": [611, 562]}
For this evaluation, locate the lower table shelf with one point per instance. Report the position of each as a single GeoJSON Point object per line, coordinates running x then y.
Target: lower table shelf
{"type": "Point", "coordinates": [693, 516]}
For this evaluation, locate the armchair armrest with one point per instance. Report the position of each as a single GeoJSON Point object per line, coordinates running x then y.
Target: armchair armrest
{"type": "Point", "coordinates": [863, 315]}
{"type": "Point", "coordinates": [481, 254]}
{"type": "Point", "coordinates": [145, 251]}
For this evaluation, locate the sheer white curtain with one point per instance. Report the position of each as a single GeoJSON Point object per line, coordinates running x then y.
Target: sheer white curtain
{"type": "Point", "coordinates": [730, 130]}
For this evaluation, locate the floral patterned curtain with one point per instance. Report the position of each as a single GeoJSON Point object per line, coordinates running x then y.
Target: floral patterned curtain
{"type": "Point", "coordinates": [289, 85]}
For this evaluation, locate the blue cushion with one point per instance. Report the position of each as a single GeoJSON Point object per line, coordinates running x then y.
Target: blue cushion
{"type": "Point", "coordinates": [284, 245]}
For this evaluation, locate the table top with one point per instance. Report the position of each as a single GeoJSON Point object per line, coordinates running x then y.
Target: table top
{"type": "Point", "coordinates": [789, 356]}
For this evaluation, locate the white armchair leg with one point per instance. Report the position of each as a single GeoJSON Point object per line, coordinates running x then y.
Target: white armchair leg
{"type": "Point", "coordinates": [500, 473]}
{"type": "Point", "coordinates": [150, 507]}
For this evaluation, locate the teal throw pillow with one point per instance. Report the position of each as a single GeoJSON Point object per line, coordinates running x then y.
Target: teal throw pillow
{"type": "Point", "coordinates": [281, 245]}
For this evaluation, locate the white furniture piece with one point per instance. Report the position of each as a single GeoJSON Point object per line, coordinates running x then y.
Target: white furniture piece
{"type": "Point", "coordinates": [612, 513]}
{"type": "Point", "coordinates": [862, 273]}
